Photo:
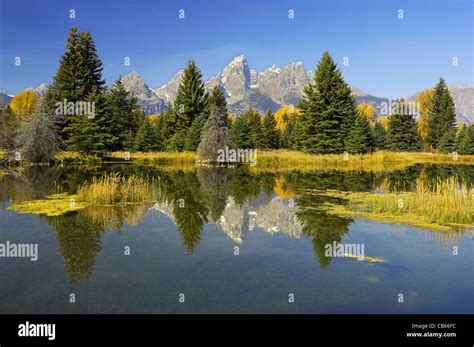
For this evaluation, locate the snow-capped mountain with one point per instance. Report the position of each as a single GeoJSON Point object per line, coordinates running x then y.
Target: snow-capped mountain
{"type": "Point", "coordinates": [242, 86]}
{"type": "Point", "coordinates": [40, 90]}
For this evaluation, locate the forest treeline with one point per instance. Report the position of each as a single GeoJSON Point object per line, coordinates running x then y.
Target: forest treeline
{"type": "Point", "coordinates": [326, 119]}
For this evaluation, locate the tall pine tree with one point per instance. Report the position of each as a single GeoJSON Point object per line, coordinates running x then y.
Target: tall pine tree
{"type": "Point", "coordinates": [78, 76]}
{"type": "Point", "coordinates": [191, 98]}
{"type": "Point", "coordinates": [217, 99]}
{"type": "Point", "coordinates": [379, 136]}
{"type": "Point", "coordinates": [328, 111]}
{"type": "Point", "coordinates": [270, 135]}
{"type": "Point", "coordinates": [442, 115]}
{"type": "Point", "coordinates": [124, 115]}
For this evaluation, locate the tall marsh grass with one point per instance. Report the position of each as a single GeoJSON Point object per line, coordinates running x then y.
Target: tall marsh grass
{"type": "Point", "coordinates": [158, 157]}
{"type": "Point", "coordinates": [113, 188]}
{"type": "Point", "coordinates": [282, 160]}
{"type": "Point", "coordinates": [445, 203]}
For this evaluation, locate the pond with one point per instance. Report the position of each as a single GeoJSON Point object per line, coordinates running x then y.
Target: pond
{"type": "Point", "coordinates": [229, 240]}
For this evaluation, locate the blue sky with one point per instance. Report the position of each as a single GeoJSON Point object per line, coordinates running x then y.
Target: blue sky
{"type": "Point", "coordinates": [388, 56]}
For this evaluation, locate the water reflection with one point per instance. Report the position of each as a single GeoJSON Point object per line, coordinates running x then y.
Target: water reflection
{"type": "Point", "coordinates": [236, 200]}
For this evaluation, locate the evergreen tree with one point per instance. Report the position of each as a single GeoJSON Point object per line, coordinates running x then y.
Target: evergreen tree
{"type": "Point", "coordinates": [286, 136]}
{"type": "Point", "coordinates": [247, 130]}
{"type": "Point", "coordinates": [167, 124]}
{"type": "Point", "coordinates": [123, 113]}
{"type": "Point", "coordinates": [256, 129]}
{"type": "Point", "coordinates": [84, 136]}
{"type": "Point", "coordinates": [402, 133]}
{"type": "Point", "coordinates": [270, 135]}
{"type": "Point", "coordinates": [9, 125]}
{"type": "Point", "coordinates": [145, 140]}
{"type": "Point", "coordinates": [159, 130]}
{"type": "Point", "coordinates": [193, 135]}
{"type": "Point", "coordinates": [177, 142]}
{"type": "Point", "coordinates": [217, 99]}
{"type": "Point", "coordinates": [241, 132]}
{"type": "Point", "coordinates": [379, 136]}
{"type": "Point", "coordinates": [466, 145]}
{"type": "Point", "coordinates": [360, 139]}
{"type": "Point", "coordinates": [91, 133]}
{"type": "Point", "coordinates": [328, 111]}
{"type": "Point", "coordinates": [215, 136]}
{"type": "Point", "coordinates": [459, 136]}
{"type": "Point", "coordinates": [447, 143]}
{"type": "Point", "coordinates": [191, 99]}
{"type": "Point", "coordinates": [79, 74]}
{"type": "Point", "coordinates": [442, 114]}
{"type": "Point", "coordinates": [129, 140]}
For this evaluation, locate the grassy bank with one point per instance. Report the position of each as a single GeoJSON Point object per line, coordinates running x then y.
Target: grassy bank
{"type": "Point", "coordinates": [157, 157]}
{"type": "Point", "coordinates": [284, 160]}
{"type": "Point", "coordinates": [279, 160]}
{"type": "Point", "coordinates": [447, 205]}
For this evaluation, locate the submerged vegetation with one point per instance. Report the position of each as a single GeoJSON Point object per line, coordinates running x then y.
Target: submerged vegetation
{"type": "Point", "coordinates": [53, 205]}
{"type": "Point", "coordinates": [446, 205]}
{"type": "Point", "coordinates": [108, 190]}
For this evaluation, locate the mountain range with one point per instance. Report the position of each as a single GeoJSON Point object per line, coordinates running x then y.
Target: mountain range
{"type": "Point", "coordinates": [269, 89]}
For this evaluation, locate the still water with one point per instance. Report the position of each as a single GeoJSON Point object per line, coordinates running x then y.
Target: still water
{"type": "Point", "coordinates": [228, 241]}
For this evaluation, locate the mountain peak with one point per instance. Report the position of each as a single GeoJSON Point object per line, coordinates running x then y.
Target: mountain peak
{"type": "Point", "coordinates": [240, 58]}
{"type": "Point", "coordinates": [135, 84]}
{"type": "Point", "coordinates": [39, 90]}
{"type": "Point", "coordinates": [132, 74]}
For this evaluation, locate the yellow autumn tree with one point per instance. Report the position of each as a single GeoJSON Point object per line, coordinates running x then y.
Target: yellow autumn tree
{"type": "Point", "coordinates": [153, 119]}
{"type": "Point", "coordinates": [285, 115]}
{"type": "Point", "coordinates": [24, 104]}
{"type": "Point", "coordinates": [367, 111]}
{"type": "Point", "coordinates": [423, 101]}
{"type": "Point", "coordinates": [460, 128]}
{"type": "Point", "coordinates": [383, 120]}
